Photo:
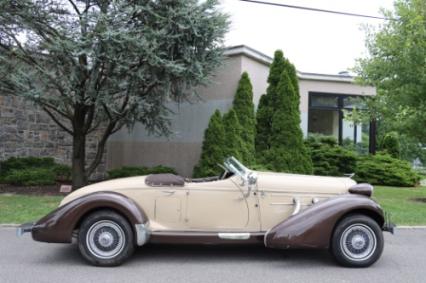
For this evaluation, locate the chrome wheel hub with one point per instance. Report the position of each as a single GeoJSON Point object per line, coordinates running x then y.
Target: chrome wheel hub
{"type": "Point", "coordinates": [105, 239]}
{"type": "Point", "coordinates": [358, 242]}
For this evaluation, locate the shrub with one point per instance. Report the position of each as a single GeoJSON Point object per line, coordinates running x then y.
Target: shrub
{"type": "Point", "coordinates": [62, 172]}
{"type": "Point", "coordinates": [328, 158]}
{"type": "Point", "coordinates": [30, 177]}
{"type": "Point", "coordinates": [129, 171]}
{"type": "Point", "coordinates": [19, 163]}
{"type": "Point", "coordinates": [382, 169]}
{"type": "Point", "coordinates": [213, 149]}
{"type": "Point", "coordinates": [10, 168]}
{"type": "Point", "coordinates": [390, 144]}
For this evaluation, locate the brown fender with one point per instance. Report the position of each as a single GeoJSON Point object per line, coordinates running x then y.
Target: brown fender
{"type": "Point", "coordinates": [313, 227]}
{"type": "Point", "coordinates": [58, 226]}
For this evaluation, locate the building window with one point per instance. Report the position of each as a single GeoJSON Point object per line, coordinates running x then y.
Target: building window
{"type": "Point", "coordinates": [326, 117]}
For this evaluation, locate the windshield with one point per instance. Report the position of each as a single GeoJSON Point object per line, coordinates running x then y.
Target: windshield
{"type": "Point", "coordinates": [235, 166]}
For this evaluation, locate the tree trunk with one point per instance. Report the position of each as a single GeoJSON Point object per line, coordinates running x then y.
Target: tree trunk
{"type": "Point", "coordinates": [79, 177]}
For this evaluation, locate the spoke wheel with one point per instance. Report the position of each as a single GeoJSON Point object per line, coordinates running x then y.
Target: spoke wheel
{"type": "Point", "coordinates": [357, 241]}
{"type": "Point", "coordinates": [105, 238]}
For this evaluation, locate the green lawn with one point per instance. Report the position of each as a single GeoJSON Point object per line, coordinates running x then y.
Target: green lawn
{"type": "Point", "coordinates": [398, 201]}
{"type": "Point", "coordinates": [21, 208]}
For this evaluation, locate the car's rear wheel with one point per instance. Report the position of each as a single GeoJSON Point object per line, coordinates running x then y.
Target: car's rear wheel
{"type": "Point", "coordinates": [357, 241]}
{"type": "Point", "coordinates": [105, 238]}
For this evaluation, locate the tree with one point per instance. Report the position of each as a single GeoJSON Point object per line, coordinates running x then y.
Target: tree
{"type": "Point", "coordinates": [287, 152]}
{"type": "Point", "coordinates": [396, 66]}
{"type": "Point", "coordinates": [266, 108]}
{"type": "Point", "coordinates": [212, 151]}
{"type": "Point", "coordinates": [279, 140]}
{"type": "Point", "coordinates": [244, 110]}
{"type": "Point", "coordinates": [104, 65]}
{"type": "Point", "coordinates": [234, 144]}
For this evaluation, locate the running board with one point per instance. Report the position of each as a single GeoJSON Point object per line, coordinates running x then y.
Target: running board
{"type": "Point", "coordinates": [234, 236]}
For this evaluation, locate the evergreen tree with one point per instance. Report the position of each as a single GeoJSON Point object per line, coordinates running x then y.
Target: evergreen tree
{"type": "Point", "coordinates": [279, 140]}
{"type": "Point", "coordinates": [244, 110]}
{"type": "Point", "coordinates": [213, 148]}
{"type": "Point", "coordinates": [233, 136]}
{"type": "Point", "coordinates": [287, 152]}
{"type": "Point", "coordinates": [266, 107]}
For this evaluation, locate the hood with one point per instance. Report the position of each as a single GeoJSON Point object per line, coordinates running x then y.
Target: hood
{"type": "Point", "coordinates": [115, 185]}
{"type": "Point", "coordinates": [305, 183]}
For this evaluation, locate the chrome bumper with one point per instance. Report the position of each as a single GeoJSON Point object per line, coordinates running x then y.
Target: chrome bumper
{"type": "Point", "coordinates": [24, 228]}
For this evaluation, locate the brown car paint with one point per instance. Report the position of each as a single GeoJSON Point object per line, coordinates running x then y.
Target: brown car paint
{"type": "Point", "coordinates": [362, 189]}
{"type": "Point", "coordinates": [313, 227]}
{"type": "Point", "coordinates": [58, 226]}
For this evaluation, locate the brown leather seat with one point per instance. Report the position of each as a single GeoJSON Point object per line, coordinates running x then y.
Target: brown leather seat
{"type": "Point", "coordinates": [165, 180]}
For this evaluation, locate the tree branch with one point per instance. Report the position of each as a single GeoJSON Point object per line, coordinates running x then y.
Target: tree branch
{"type": "Point", "coordinates": [59, 123]}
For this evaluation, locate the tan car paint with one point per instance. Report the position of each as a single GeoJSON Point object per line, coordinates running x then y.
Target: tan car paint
{"type": "Point", "coordinates": [223, 205]}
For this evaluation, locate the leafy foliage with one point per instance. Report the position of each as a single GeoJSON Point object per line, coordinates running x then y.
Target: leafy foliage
{"type": "Point", "coordinates": [129, 171]}
{"type": "Point", "coordinates": [103, 65]}
{"type": "Point", "coordinates": [281, 146]}
{"type": "Point", "coordinates": [330, 159]}
{"type": "Point", "coordinates": [33, 171]}
{"type": "Point", "coordinates": [244, 109]}
{"type": "Point", "coordinates": [30, 177]}
{"type": "Point", "coordinates": [382, 169]}
{"type": "Point", "coordinates": [213, 149]}
{"type": "Point", "coordinates": [390, 144]}
{"type": "Point", "coordinates": [234, 145]}
{"type": "Point", "coordinates": [395, 65]}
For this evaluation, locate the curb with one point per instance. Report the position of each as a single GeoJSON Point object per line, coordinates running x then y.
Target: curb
{"type": "Point", "coordinates": [9, 225]}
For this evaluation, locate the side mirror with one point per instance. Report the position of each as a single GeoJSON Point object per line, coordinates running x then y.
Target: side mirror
{"type": "Point", "coordinates": [252, 179]}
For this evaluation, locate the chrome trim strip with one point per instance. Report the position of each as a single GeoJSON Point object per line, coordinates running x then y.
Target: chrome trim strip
{"type": "Point", "coordinates": [297, 206]}
{"type": "Point", "coordinates": [234, 236]}
{"type": "Point", "coordinates": [142, 234]}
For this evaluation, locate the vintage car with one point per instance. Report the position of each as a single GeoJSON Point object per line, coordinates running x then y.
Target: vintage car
{"type": "Point", "coordinates": [277, 210]}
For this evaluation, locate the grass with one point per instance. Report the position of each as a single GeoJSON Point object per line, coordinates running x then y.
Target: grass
{"type": "Point", "coordinates": [399, 202]}
{"type": "Point", "coordinates": [22, 208]}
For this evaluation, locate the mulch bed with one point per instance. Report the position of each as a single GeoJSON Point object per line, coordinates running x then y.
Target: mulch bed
{"type": "Point", "coordinates": [52, 190]}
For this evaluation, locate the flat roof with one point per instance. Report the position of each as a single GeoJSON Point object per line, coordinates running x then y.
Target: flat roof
{"type": "Point", "coordinates": [267, 60]}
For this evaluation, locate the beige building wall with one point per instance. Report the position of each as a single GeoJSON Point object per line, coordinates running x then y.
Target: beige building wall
{"type": "Point", "coordinates": [182, 149]}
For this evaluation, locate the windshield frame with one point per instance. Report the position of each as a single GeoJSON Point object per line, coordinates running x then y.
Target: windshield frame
{"type": "Point", "coordinates": [233, 165]}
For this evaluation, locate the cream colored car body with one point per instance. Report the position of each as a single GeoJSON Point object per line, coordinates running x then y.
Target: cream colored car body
{"type": "Point", "coordinates": [228, 205]}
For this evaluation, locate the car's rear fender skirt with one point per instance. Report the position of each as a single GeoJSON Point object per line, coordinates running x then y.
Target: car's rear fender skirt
{"type": "Point", "coordinates": [58, 226]}
{"type": "Point", "coordinates": [313, 227]}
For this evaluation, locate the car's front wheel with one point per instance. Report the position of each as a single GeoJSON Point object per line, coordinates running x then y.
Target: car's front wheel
{"type": "Point", "coordinates": [105, 238]}
{"type": "Point", "coordinates": [357, 241]}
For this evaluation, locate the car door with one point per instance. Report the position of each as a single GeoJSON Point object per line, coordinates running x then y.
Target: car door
{"type": "Point", "coordinates": [221, 206]}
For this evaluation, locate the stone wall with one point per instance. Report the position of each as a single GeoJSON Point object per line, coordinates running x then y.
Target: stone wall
{"type": "Point", "coordinates": [25, 130]}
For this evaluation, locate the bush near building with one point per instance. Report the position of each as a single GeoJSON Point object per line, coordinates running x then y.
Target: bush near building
{"type": "Point", "coordinates": [33, 171]}
{"type": "Point", "coordinates": [383, 169]}
{"type": "Point", "coordinates": [330, 159]}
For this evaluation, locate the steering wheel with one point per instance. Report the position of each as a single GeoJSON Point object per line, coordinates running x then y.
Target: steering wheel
{"type": "Point", "coordinates": [225, 172]}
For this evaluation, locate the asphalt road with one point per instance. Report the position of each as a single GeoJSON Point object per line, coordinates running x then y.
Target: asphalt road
{"type": "Point", "coordinates": [23, 260]}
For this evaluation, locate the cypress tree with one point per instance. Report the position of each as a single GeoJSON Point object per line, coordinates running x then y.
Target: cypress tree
{"type": "Point", "coordinates": [233, 133]}
{"type": "Point", "coordinates": [244, 110]}
{"type": "Point", "coordinates": [212, 149]}
{"type": "Point", "coordinates": [279, 140]}
{"type": "Point", "coordinates": [266, 107]}
{"type": "Point", "coordinates": [287, 152]}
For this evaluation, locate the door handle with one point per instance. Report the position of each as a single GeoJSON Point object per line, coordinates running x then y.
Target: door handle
{"type": "Point", "coordinates": [168, 192]}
